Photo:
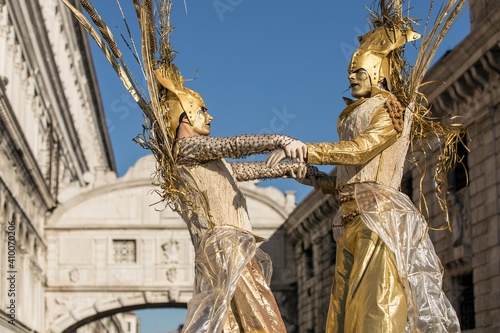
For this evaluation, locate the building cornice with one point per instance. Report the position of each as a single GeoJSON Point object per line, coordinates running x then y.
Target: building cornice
{"type": "Point", "coordinates": [461, 63]}
{"type": "Point", "coordinates": [40, 58]}
{"type": "Point", "coordinates": [20, 145]}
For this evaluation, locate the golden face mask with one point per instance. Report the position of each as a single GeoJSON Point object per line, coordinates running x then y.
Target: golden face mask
{"type": "Point", "coordinates": [373, 50]}
{"type": "Point", "coordinates": [179, 99]}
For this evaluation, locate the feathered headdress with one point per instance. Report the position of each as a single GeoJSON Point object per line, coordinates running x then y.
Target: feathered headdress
{"type": "Point", "coordinates": [166, 99]}
{"type": "Point", "coordinates": [439, 135]}
{"type": "Point", "coordinates": [375, 46]}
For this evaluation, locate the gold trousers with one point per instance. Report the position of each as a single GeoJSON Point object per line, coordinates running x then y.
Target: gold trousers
{"type": "Point", "coordinates": [253, 307]}
{"type": "Point", "coordinates": [367, 294]}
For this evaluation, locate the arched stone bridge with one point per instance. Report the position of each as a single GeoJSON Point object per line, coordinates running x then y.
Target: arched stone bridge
{"type": "Point", "coordinates": [110, 251]}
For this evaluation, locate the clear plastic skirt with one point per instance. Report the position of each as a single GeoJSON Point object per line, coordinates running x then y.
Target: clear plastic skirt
{"type": "Point", "coordinates": [397, 221]}
{"type": "Point", "coordinates": [231, 291]}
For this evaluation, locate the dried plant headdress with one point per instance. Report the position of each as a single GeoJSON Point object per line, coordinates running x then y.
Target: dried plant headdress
{"type": "Point", "coordinates": [430, 134]}
{"type": "Point", "coordinates": [166, 98]}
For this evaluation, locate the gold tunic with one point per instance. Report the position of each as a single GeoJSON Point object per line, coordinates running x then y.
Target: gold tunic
{"type": "Point", "coordinates": [370, 149]}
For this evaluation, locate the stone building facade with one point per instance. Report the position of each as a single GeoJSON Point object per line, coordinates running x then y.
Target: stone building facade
{"type": "Point", "coordinates": [308, 228]}
{"type": "Point", "coordinates": [471, 254]}
{"type": "Point", "coordinates": [52, 134]}
{"type": "Point", "coordinates": [124, 322]}
{"type": "Point", "coordinates": [56, 158]}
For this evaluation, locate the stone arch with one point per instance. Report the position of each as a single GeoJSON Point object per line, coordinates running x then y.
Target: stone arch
{"type": "Point", "coordinates": [105, 247]}
{"type": "Point", "coordinates": [76, 316]}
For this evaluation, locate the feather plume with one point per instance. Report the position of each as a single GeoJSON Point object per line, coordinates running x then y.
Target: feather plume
{"type": "Point", "coordinates": [108, 46]}
{"type": "Point", "coordinates": [439, 136]}
{"type": "Point", "coordinates": [156, 51]}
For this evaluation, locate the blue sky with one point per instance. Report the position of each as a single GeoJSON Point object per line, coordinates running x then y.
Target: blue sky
{"type": "Point", "coordinates": [261, 66]}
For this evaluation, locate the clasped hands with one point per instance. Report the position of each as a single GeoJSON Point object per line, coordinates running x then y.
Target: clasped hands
{"type": "Point", "coordinates": [295, 150]}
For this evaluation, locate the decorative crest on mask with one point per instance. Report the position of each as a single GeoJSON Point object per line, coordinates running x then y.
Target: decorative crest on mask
{"type": "Point", "coordinates": [375, 46]}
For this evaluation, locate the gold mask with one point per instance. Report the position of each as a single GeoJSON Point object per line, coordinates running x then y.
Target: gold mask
{"type": "Point", "coordinates": [374, 48]}
{"type": "Point", "coordinates": [179, 99]}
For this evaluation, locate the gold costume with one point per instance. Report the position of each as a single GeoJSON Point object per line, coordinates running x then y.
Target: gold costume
{"type": "Point", "coordinates": [388, 275]}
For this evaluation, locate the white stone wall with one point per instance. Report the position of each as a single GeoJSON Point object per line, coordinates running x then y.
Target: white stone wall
{"type": "Point", "coordinates": [40, 151]}
{"type": "Point", "coordinates": [69, 60]}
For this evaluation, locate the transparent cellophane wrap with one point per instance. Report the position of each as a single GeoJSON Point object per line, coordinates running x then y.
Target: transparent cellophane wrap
{"type": "Point", "coordinates": [220, 262]}
{"type": "Point", "coordinates": [397, 221]}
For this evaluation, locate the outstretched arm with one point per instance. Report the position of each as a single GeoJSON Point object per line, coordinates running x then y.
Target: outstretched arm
{"type": "Point", "coordinates": [199, 149]}
{"type": "Point", "coordinates": [379, 135]}
{"type": "Point", "coordinates": [244, 171]}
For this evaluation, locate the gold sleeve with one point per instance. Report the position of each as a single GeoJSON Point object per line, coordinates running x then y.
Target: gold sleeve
{"type": "Point", "coordinates": [379, 135]}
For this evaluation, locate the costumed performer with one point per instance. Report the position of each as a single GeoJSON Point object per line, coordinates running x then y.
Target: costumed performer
{"type": "Point", "coordinates": [232, 275]}
{"type": "Point", "coordinates": [388, 277]}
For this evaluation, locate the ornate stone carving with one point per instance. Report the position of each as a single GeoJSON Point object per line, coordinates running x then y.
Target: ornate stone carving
{"type": "Point", "coordinates": [74, 274]}
{"type": "Point", "coordinates": [171, 274]}
{"type": "Point", "coordinates": [171, 251]}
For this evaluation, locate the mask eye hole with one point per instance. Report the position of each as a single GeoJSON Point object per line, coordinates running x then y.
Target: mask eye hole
{"type": "Point", "coordinates": [361, 74]}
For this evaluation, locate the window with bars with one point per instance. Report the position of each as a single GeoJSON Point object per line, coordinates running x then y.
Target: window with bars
{"type": "Point", "coordinates": [124, 251]}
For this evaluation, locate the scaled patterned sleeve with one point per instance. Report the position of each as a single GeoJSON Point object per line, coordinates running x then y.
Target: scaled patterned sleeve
{"type": "Point", "coordinates": [378, 135]}
{"type": "Point", "coordinates": [200, 148]}
{"type": "Point", "coordinates": [244, 171]}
